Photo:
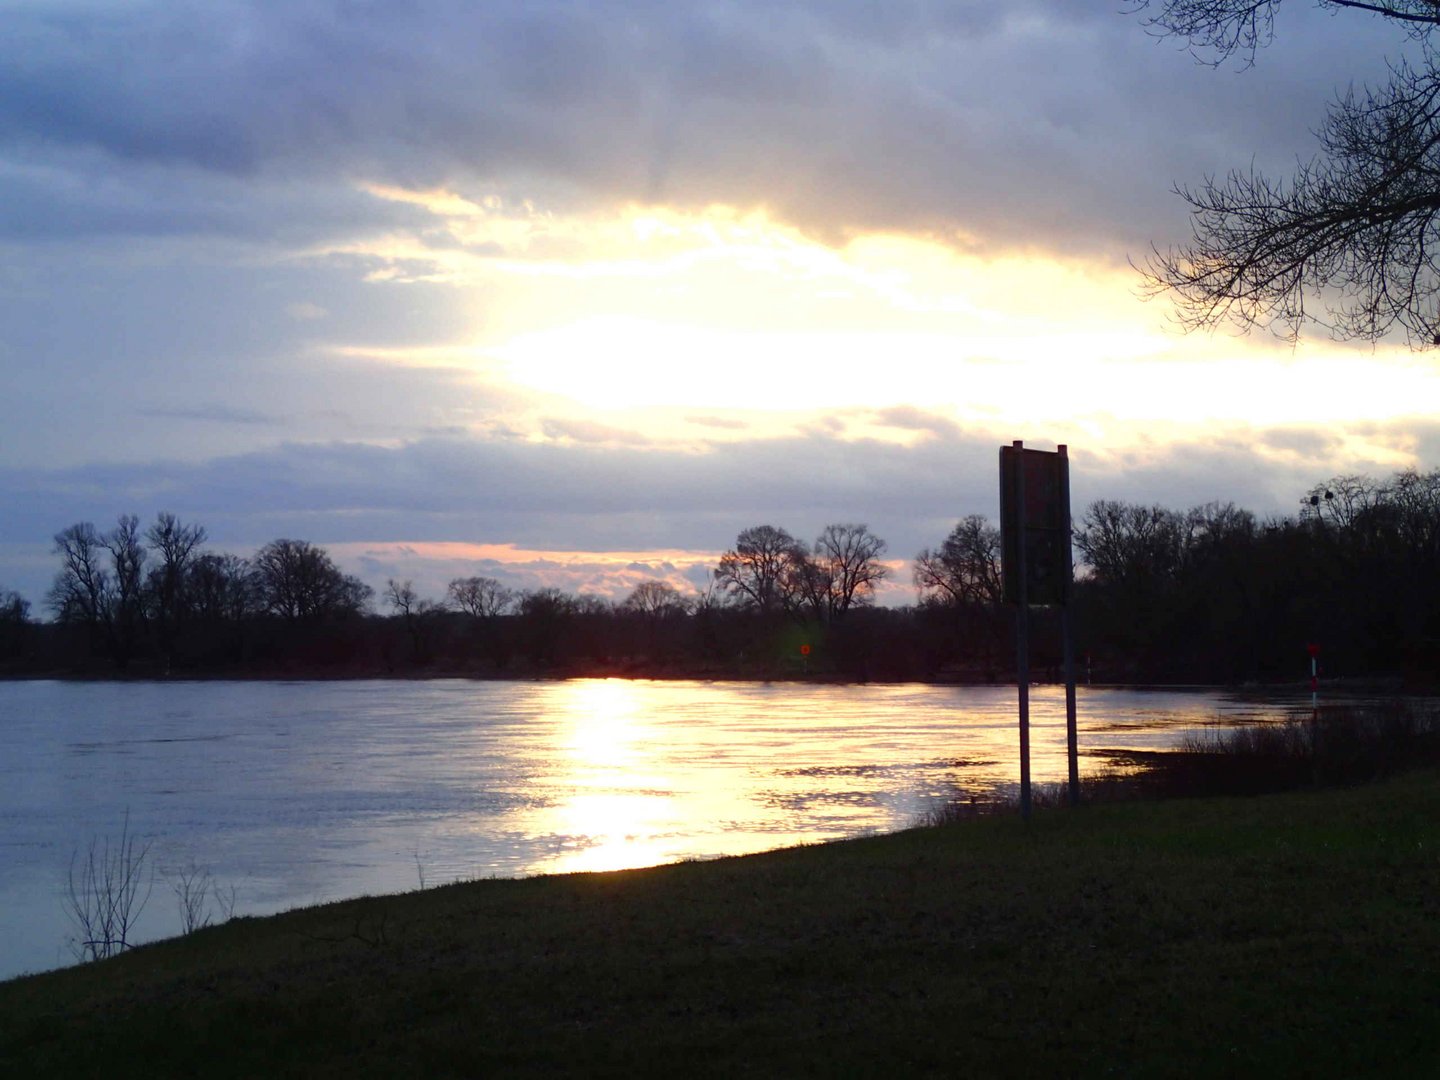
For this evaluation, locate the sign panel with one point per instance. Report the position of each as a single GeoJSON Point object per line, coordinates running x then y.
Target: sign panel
{"type": "Point", "coordinates": [1035, 511]}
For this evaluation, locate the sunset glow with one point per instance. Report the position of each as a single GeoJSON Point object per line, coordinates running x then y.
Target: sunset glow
{"type": "Point", "coordinates": [575, 318]}
{"type": "Point", "coordinates": [739, 314]}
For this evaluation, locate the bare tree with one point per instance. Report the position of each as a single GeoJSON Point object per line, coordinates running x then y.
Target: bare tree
{"type": "Point", "coordinates": [711, 598]}
{"type": "Point", "coordinates": [220, 588]}
{"type": "Point", "coordinates": [417, 614]}
{"type": "Point", "coordinates": [1217, 530]}
{"type": "Point", "coordinates": [660, 611]}
{"type": "Point", "coordinates": [545, 603]}
{"type": "Point", "coordinates": [755, 568]}
{"type": "Point", "coordinates": [849, 557]}
{"type": "Point", "coordinates": [482, 597]}
{"type": "Point", "coordinates": [127, 565]}
{"type": "Point", "coordinates": [1220, 29]}
{"type": "Point", "coordinates": [591, 604]}
{"type": "Point", "coordinates": [14, 608]}
{"type": "Point", "coordinates": [966, 568]}
{"type": "Point", "coordinates": [300, 583]}
{"type": "Point", "coordinates": [545, 616]}
{"type": "Point", "coordinates": [101, 583]}
{"type": "Point", "coordinates": [81, 591]}
{"type": "Point", "coordinates": [14, 622]}
{"type": "Point", "coordinates": [1341, 500]}
{"type": "Point", "coordinates": [806, 587]}
{"type": "Point", "coordinates": [1358, 226]}
{"type": "Point", "coordinates": [1126, 543]}
{"type": "Point", "coordinates": [656, 599]}
{"type": "Point", "coordinates": [175, 544]}
{"type": "Point", "coordinates": [1416, 496]}
{"type": "Point", "coordinates": [401, 597]}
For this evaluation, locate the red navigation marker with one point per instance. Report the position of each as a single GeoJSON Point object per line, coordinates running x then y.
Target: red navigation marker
{"type": "Point", "coordinates": [804, 650]}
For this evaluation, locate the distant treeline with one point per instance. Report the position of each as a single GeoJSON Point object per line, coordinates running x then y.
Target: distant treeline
{"type": "Point", "coordinates": [1209, 594]}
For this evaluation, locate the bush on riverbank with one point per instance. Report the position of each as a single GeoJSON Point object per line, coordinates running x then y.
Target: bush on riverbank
{"type": "Point", "coordinates": [1340, 743]}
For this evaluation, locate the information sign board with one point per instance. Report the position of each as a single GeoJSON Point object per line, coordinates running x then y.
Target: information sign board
{"type": "Point", "coordinates": [1035, 511]}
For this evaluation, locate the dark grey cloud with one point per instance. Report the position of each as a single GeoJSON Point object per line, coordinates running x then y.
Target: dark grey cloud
{"type": "Point", "coordinates": [213, 412]}
{"type": "Point", "coordinates": [591, 431]}
{"type": "Point", "coordinates": [1039, 121]}
{"type": "Point", "coordinates": [131, 354]}
{"type": "Point", "coordinates": [1310, 442]}
{"type": "Point", "coordinates": [54, 194]}
{"type": "Point", "coordinates": [913, 418]}
{"type": "Point", "coordinates": [725, 422]}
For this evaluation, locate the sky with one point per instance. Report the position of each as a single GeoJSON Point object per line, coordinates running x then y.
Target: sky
{"type": "Point", "coordinates": [569, 294]}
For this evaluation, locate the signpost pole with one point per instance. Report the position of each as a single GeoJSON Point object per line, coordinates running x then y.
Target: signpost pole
{"type": "Point", "coordinates": [1022, 630]}
{"type": "Point", "coordinates": [1072, 738]}
{"type": "Point", "coordinates": [1036, 568]}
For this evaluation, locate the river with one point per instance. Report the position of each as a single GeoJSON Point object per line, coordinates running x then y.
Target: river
{"type": "Point", "coordinates": [283, 794]}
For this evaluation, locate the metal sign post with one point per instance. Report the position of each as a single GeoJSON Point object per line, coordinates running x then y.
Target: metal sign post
{"type": "Point", "coordinates": [1072, 735]}
{"type": "Point", "coordinates": [1022, 617]}
{"type": "Point", "coordinates": [1036, 568]}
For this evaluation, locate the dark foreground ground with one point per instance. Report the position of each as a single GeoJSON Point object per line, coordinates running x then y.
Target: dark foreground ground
{"type": "Point", "coordinates": [1293, 934]}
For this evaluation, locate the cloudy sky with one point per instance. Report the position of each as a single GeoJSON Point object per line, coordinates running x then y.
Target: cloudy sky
{"type": "Point", "coordinates": [570, 293]}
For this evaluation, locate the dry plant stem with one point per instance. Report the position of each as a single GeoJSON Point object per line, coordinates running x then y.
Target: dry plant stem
{"type": "Point", "coordinates": [106, 893]}
{"type": "Point", "coordinates": [193, 887]}
{"type": "Point", "coordinates": [225, 901]}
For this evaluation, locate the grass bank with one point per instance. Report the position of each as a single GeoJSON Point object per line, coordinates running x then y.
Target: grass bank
{"type": "Point", "coordinates": [1286, 934]}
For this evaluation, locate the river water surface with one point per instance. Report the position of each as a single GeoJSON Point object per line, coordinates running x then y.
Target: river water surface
{"type": "Point", "coordinates": [295, 793]}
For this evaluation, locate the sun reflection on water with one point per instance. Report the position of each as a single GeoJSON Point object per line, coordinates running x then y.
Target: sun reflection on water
{"type": "Point", "coordinates": [611, 803]}
{"type": "Point", "coordinates": [601, 723]}
{"type": "Point", "coordinates": [629, 773]}
{"type": "Point", "coordinates": [646, 773]}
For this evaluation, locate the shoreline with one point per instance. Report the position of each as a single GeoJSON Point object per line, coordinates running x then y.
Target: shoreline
{"type": "Point", "coordinates": [1343, 687]}
{"type": "Point", "coordinates": [1086, 938]}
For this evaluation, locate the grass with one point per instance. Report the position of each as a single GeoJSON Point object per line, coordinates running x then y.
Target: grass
{"type": "Point", "coordinates": [1294, 934]}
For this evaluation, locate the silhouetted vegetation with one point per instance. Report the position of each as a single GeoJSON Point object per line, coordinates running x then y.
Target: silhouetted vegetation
{"type": "Point", "coordinates": [153, 601]}
{"type": "Point", "coordinates": [1214, 595]}
{"type": "Point", "coordinates": [1340, 743]}
{"type": "Point", "coordinates": [14, 624]}
{"type": "Point", "coordinates": [1211, 594]}
{"type": "Point", "coordinates": [1348, 241]}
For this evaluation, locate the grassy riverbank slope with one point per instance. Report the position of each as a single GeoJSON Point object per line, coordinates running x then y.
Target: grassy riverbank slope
{"type": "Point", "coordinates": [1281, 935]}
